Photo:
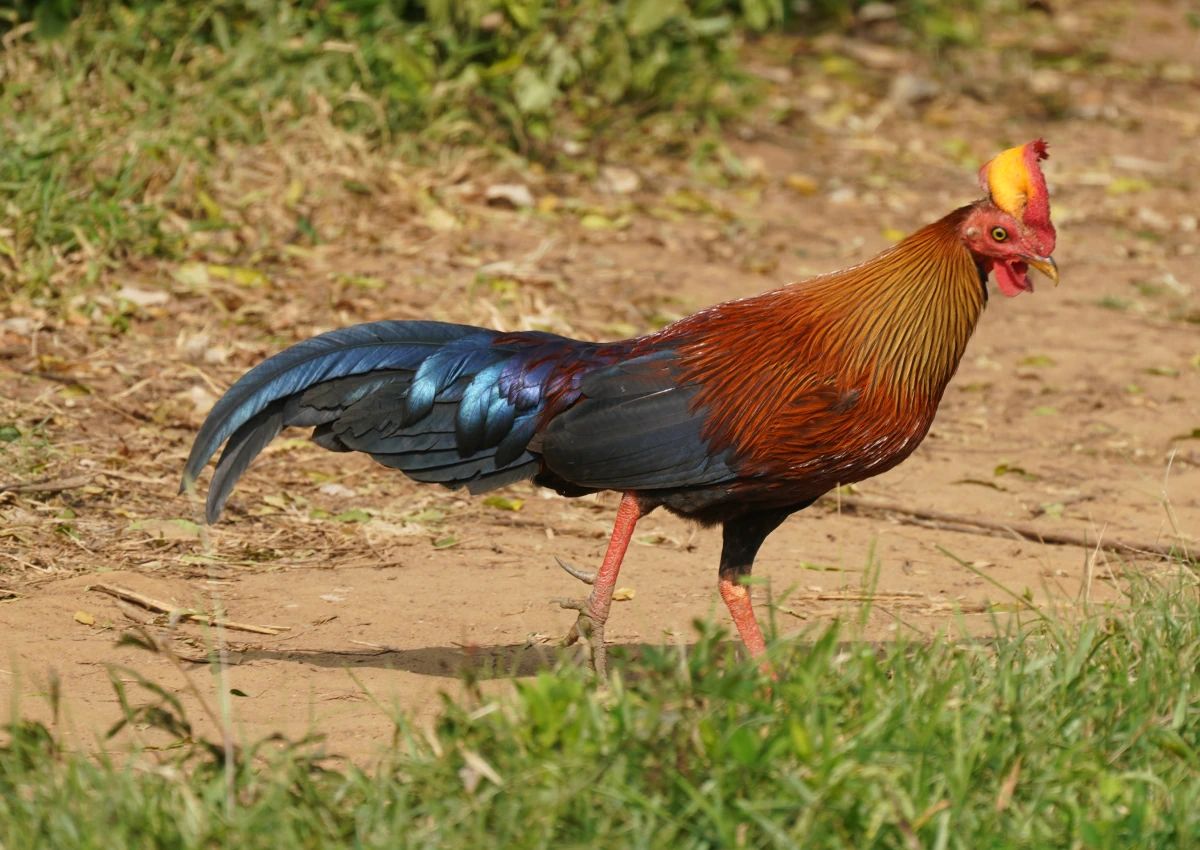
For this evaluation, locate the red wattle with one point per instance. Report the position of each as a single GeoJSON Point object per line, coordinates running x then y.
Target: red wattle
{"type": "Point", "coordinates": [1011, 277]}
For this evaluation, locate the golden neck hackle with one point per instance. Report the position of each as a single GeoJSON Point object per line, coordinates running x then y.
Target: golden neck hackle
{"type": "Point", "coordinates": [904, 317]}
{"type": "Point", "coordinates": [851, 349]}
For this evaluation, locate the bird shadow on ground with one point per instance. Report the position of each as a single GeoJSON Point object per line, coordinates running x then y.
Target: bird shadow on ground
{"type": "Point", "coordinates": [499, 662]}
{"type": "Point", "coordinates": [484, 662]}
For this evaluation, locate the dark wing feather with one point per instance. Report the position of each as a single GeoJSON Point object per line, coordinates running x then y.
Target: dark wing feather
{"type": "Point", "coordinates": [634, 429]}
{"type": "Point", "coordinates": [338, 354]}
{"type": "Point", "coordinates": [443, 403]}
{"type": "Point", "coordinates": [462, 406]}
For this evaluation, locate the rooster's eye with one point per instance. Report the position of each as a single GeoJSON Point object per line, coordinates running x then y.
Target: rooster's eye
{"type": "Point", "coordinates": [999, 234]}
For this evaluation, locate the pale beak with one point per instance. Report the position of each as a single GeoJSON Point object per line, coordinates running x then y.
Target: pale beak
{"type": "Point", "coordinates": [1045, 265]}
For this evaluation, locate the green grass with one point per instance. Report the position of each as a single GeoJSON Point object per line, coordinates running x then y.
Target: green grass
{"type": "Point", "coordinates": [119, 118]}
{"type": "Point", "coordinates": [112, 126]}
{"type": "Point", "coordinates": [1082, 734]}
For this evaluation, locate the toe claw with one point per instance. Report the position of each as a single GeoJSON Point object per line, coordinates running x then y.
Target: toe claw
{"type": "Point", "coordinates": [587, 629]}
{"type": "Point", "coordinates": [583, 575]}
{"type": "Point", "coordinates": [572, 637]}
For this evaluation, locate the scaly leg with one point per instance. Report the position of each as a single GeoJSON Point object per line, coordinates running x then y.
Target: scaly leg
{"type": "Point", "coordinates": [737, 600]}
{"type": "Point", "coordinates": [593, 611]}
{"type": "Point", "coordinates": [743, 537]}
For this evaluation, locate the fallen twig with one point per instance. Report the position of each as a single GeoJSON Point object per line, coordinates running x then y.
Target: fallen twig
{"type": "Point", "coordinates": [542, 525]}
{"type": "Point", "coordinates": [135, 613]}
{"type": "Point", "coordinates": [973, 525]}
{"type": "Point", "coordinates": [382, 647]}
{"type": "Point", "coordinates": [352, 652]}
{"type": "Point", "coordinates": [896, 599]}
{"type": "Point", "coordinates": [164, 608]}
{"type": "Point", "coordinates": [47, 485]}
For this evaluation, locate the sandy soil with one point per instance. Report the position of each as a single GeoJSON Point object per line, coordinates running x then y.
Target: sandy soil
{"type": "Point", "coordinates": [1066, 414]}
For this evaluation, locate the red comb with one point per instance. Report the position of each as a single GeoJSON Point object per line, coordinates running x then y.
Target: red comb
{"type": "Point", "coordinates": [1035, 212]}
{"type": "Point", "coordinates": [1037, 208]}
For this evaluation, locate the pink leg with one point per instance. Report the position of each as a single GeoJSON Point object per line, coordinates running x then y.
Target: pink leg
{"type": "Point", "coordinates": [737, 599]}
{"type": "Point", "coordinates": [593, 611]}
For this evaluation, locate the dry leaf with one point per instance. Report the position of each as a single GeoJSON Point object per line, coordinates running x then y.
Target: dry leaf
{"type": "Point", "coordinates": [441, 221]}
{"type": "Point", "coordinates": [478, 764]}
{"type": "Point", "coordinates": [1004, 798]}
{"type": "Point", "coordinates": [202, 400]}
{"type": "Point", "coordinates": [619, 181]}
{"type": "Point", "coordinates": [513, 195]}
{"type": "Point", "coordinates": [501, 503]}
{"type": "Point", "coordinates": [20, 325]}
{"type": "Point", "coordinates": [802, 184]}
{"type": "Point", "coordinates": [143, 297]}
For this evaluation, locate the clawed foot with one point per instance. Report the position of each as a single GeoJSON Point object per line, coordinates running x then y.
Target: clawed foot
{"type": "Point", "coordinates": [589, 626]}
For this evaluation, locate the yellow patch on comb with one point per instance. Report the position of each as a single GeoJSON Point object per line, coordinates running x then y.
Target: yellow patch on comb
{"type": "Point", "coordinates": [1010, 182]}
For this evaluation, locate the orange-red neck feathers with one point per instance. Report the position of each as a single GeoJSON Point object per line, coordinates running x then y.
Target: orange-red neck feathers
{"type": "Point", "coordinates": [837, 378]}
{"type": "Point", "coordinates": [902, 319]}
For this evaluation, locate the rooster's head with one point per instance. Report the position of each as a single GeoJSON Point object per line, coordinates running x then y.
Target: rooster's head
{"type": "Point", "coordinates": [1011, 230]}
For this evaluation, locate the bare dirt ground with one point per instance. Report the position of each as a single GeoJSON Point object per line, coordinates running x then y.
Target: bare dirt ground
{"type": "Point", "coordinates": [1070, 408]}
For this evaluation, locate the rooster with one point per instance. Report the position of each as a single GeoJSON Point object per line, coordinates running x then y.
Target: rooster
{"type": "Point", "coordinates": [739, 415]}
